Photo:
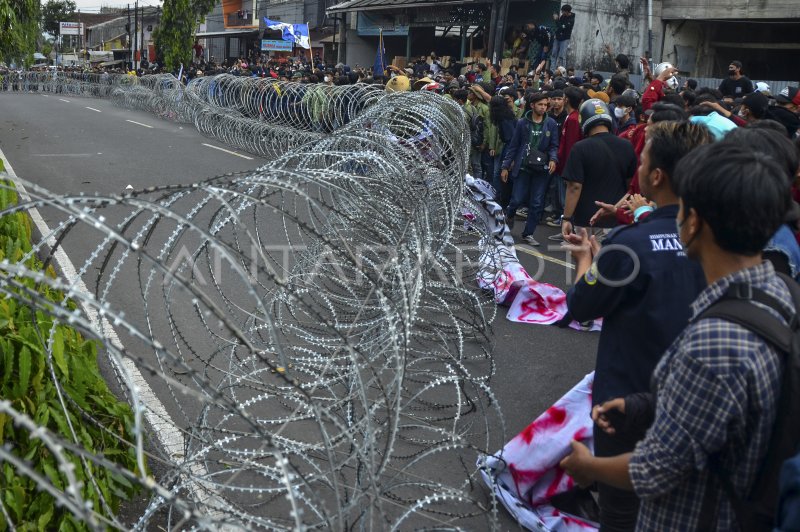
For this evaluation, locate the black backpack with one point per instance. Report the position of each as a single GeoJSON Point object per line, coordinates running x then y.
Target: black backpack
{"type": "Point", "coordinates": [757, 510]}
{"type": "Point", "coordinates": [475, 128]}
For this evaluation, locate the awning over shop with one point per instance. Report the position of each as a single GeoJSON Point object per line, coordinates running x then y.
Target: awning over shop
{"type": "Point", "coordinates": [372, 5]}
{"type": "Point", "coordinates": [234, 33]}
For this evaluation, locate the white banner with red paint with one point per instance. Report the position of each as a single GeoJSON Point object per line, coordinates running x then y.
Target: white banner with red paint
{"type": "Point", "coordinates": [525, 475]}
{"type": "Point", "coordinates": [529, 301]}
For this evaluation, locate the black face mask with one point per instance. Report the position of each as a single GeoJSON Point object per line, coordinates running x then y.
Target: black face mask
{"type": "Point", "coordinates": [731, 72]}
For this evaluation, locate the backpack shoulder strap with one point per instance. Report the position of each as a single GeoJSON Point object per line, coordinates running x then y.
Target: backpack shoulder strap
{"type": "Point", "coordinates": [736, 307]}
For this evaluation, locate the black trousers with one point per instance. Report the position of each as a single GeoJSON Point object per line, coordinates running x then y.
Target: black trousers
{"type": "Point", "coordinates": [618, 508]}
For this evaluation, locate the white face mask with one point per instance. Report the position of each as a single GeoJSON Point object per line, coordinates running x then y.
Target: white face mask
{"type": "Point", "coordinates": [619, 112]}
{"type": "Point", "coordinates": [672, 83]}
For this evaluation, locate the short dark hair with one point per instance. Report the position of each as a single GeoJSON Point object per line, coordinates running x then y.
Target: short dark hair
{"type": "Point", "coordinates": [667, 111]}
{"type": "Point", "coordinates": [460, 95]}
{"type": "Point", "coordinates": [769, 141]}
{"type": "Point", "coordinates": [671, 141]}
{"type": "Point", "coordinates": [535, 97]}
{"type": "Point", "coordinates": [715, 93]}
{"type": "Point", "coordinates": [688, 97]}
{"type": "Point", "coordinates": [598, 77]}
{"type": "Point", "coordinates": [770, 124]}
{"type": "Point", "coordinates": [557, 93]}
{"type": "Point", "coordinates": [574, 96]}
{"type": "Point", "coordinates": [692, 84]}
{"type": "Point", "coordinates": [622, 60]}
{"type": "Point", "coordinates": [626, 100]}
{"type": "Point", "coordinates": [618, 83]}
{"type": "Point", "coordinates": [737, 63]}
{"type": "Point", "coordinates": [740, 194]}
{"type": "Point", "coordinates": [673, 98]}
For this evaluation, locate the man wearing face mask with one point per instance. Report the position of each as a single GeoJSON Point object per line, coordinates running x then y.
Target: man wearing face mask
{"type": "Point", "coordinates": [632, 283]}
{"type": "Point", "coordinates": [718, 385]}
{"type": "Point", "coordinates": [665, 79]}
{"type": "Point", "coordinates": [624, 113]}
{"type": "Point", "coordinates": [737, 85]}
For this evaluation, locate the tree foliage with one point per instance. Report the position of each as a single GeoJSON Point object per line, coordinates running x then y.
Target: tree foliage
{"type": "Point", "coordinates": [55, 11]}
{"type": "Point", "coordinates": [176, 30]}
{"type": "Point", "coordinates": [176, 33]}
{"type": "Point", "coordinates": [19, 27]}
{"type": "Point", "coordinates": [26, 381]}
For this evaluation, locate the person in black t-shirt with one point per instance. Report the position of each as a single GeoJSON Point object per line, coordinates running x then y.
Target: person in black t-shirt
{"type": "Point", "coordinates": [598, 169]}
{"type": "Point", "coordinates": [737, 85]}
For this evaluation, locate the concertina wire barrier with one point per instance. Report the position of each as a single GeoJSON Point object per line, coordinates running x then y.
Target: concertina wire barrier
{"type": "Point", "coordinates": [312, 328]}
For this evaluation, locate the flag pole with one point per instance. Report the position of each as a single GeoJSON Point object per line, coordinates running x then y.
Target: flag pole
{"type": "Point", "coordinates": [310, 52]}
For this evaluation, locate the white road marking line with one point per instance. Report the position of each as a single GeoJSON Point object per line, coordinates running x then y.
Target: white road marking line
{"type": "Point", "coordinates": [62, 154]}
{"type": "Point", "coordinates": [95, 110]}
{"type": "Point", "coordinates": [45, 95]}
{"type": "Point", "coordinates": [165, 429]}
{"type": "Point", "coordinates": [545, 257]}
{"type": "Point", "coordinates": [139, 124]}
{"type": "Point", "coordinates": [63, 100]}
{"type": "Point", "coordinates": [169, 435]}
{"type": "Point", "coordinates": [228, 151]}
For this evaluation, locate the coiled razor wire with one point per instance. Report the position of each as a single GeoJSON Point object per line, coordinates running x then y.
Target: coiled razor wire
{"type": "Point", "coordinates": [310, 328]}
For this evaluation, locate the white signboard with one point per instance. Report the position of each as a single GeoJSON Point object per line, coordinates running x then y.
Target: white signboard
{"type": "Point", "coordinates": [71, 28]}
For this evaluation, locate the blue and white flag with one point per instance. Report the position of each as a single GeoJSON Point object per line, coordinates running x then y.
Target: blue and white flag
{"type": "Point", "coordinates": [297, 33]}
{"type": "Point", "coordinates": [301, 37]}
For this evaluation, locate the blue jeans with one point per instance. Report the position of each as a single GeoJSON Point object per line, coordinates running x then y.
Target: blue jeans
{"type": "Point", "coordinates": [530, 188]}
{"type": "Point", "coordinates": [503, 189]}
{"type": "Point", "coordinates": [558, 57]}
{"type": "Point", "coordinates": [475, 164]}
{"type": "Point", "coordinates": [487, 161]}
{"type": "Point", "coordinates": [558, 194]}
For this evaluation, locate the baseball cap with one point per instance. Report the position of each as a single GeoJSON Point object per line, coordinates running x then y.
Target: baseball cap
{"type": "Point", "coordinates": [762, 87]}
{"type": "Point", "coordinates": [756, 102]}
{"type": "Point", "coordinates": [787, 95]}
{"type": "Point", "coordinates": [599, 95]}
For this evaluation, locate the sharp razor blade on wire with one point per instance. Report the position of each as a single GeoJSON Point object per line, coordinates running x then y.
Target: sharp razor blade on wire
{"type": "Point", "coordinates": [312, 328]}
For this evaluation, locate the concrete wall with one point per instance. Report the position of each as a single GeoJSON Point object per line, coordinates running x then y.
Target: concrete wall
{"type": "Point", "coordinates": [703, 48]}
{"type": "Point", "coordinates": [731, 9]}
{"type": "Point", "coordinates": [361, 51]}
{"type": "Point", "coordinates": [621, 24]}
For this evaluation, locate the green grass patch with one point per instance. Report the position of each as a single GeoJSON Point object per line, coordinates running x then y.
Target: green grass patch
{"type": "Point", "coordinates": [26, 381]}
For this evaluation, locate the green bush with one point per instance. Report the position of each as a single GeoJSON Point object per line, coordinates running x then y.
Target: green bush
{"type": "Point", "coordinates": [25, 380]}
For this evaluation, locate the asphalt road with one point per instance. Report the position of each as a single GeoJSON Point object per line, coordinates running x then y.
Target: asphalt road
{"type": "Point", "coordinates": [71, 145]}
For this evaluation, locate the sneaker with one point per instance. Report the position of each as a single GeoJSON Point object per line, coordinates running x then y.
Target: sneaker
{"type": "Point", "coordinates": [554, 222]}
{"type": "Point", "coordinates": [558, 237]}
{"type": "Point", "coordinates": [522, 213]}
{"type": "Point", "coordinates": [528, 239]}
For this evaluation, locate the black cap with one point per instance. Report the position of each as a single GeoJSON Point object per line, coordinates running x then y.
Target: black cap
{"type": "Point", "coordinates": [787, 95]}
{"type": "Point", "coordinates": [757, 103]}
{"type": "Point", "coordinates": [567, 8]}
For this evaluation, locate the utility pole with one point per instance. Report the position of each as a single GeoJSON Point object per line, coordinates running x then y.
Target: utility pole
{"type": "Point", "coordinates": [130, 43]}
{"type": "Point", "coordinates": [141, 40]}
{"type": "Point", "coordinates": [136, 36]}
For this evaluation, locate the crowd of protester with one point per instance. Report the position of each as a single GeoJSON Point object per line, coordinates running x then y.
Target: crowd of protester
{"type": "Point", "coordinates": [693, 189]}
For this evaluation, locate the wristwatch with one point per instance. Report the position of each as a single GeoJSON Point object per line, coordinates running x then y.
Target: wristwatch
{"type": "Point", "coordinates": [569, 219]}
